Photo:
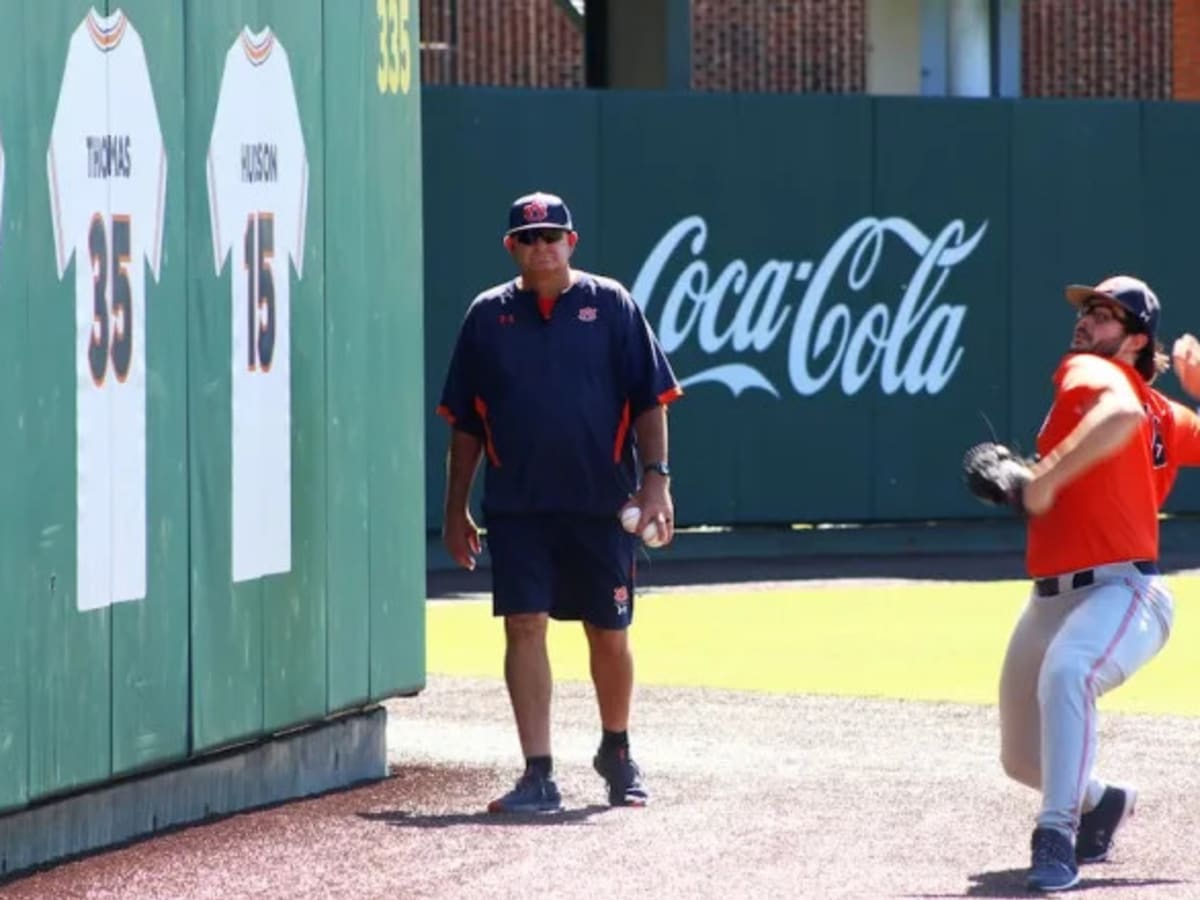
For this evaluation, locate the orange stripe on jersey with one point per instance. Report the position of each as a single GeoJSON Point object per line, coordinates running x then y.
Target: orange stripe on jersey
{"type": "Point", "coordinates": [444, 412]}
{"type": "Point", "coordinates": [258, 53]}
{"type": "Point", "coordinates": [108, 38]}
{"type": "Point", "coordinates": [622, 431]}
{"type": "Point", "coordinates": [481, 408]}
{"type": "Point", "coordinates": [670, 395]}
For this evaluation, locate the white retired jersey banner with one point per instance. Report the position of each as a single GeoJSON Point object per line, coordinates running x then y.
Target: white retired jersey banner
{"type": "Point", "coordinates": [107, 169]}
{"type": "Point", "coordinates": [257, 190]}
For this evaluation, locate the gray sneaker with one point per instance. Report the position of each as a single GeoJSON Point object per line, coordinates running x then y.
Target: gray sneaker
{"type": "Point", "coordinates": [1098, 827]}
{"type": "Point", "coordinates": [533, 793]}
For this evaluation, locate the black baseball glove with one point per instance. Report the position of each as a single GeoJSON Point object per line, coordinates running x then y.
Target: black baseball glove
{"type": "Point", "coordinates": [996, 475]}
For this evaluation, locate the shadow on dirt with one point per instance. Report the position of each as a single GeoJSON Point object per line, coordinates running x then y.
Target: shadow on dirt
{"type": "Point", "coordinates": [403, 819]}
{"type": "Point", "coordinates": [1011, 883]}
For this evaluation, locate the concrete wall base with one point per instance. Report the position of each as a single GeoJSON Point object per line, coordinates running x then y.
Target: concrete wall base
{"type": "Point", "coordinates": [320, 758]}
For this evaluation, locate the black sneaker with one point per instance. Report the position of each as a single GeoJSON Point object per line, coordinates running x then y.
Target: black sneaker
{"type": "Point", "coordinates": [533, 793]}
{"type": "Point", "coordinates": [1053, 867]}
{"type": "Point", "coordinates": [1098, 827]}
{"type": "Point", "coordinates": [623, 776]}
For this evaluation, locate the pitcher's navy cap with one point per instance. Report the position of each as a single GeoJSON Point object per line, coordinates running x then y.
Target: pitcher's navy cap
{"type": "Point", "coordinates": [538, 210]}
{"type": "Point", "coordinates": [1132, 294]}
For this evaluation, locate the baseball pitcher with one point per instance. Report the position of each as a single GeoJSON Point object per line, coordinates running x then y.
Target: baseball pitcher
{"type": "Point", "coordinates": [1108, 453]}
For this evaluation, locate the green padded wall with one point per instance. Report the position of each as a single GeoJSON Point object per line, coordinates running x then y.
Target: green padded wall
{"type": "Point", "coordinates": [95, 684]}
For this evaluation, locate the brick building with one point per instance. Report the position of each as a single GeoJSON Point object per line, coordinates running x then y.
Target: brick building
{"type": "Point", "coordinates": [1147, 49]}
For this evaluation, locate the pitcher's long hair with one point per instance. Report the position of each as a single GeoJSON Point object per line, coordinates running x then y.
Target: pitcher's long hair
{"type": "Point", "coordinates": [1151, 361]}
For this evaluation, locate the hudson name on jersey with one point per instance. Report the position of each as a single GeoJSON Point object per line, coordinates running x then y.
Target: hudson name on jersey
{"type": "Point", "coordinates": [257, 192]}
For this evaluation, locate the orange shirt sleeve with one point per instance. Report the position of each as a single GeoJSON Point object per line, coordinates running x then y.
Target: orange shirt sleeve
{"type": "Point", "coordinates": [1186, 439]}
{"type": "Point", "coordinates": [1078, 384]}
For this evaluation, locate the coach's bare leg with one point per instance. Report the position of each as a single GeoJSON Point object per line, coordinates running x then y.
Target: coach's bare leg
{"type": "Point", "coordinates": [527, 674]}
{"type": "Point", "coordinates": [612, 674]}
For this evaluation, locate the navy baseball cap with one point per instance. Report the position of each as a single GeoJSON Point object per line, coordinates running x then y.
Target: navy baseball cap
{"type": "Point", "coordinates": [1132, 294]}
{"type": "Point", "coordinates": [538, 210]}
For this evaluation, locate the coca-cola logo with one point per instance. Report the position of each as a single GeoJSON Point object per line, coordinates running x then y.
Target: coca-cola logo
{"type": "Point", "coordinates": [910, 344]}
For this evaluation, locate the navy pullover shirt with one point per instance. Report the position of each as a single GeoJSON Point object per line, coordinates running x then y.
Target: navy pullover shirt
{"type": "Point", "coordinates": [553, 398]}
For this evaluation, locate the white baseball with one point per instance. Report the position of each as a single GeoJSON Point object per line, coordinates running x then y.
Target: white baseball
{"type": "Point", "coordinates": [652, 535]}
{"type": "Point", "coordinates": [1186, 353]}
{"type": "Point", "coordinates": [629, 518]}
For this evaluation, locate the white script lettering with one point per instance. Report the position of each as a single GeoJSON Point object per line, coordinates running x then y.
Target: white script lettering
{"type": "Point", "coordinates": [912, 345]}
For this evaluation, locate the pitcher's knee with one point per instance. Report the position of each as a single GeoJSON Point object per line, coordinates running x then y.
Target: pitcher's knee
{"type": "Point", "coordinates": [1062, 680]}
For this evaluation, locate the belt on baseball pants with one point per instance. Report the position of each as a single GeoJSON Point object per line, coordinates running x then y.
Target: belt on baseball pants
{"type": "Point", "coordinates": [1073, 581]}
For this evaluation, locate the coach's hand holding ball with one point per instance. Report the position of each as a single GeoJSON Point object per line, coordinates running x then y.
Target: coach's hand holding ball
{"type": "Point", "coordinates": [652, 533]}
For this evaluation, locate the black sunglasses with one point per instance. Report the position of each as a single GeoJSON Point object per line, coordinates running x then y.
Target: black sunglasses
{"type": "Point", "coordinates": [547, 235]}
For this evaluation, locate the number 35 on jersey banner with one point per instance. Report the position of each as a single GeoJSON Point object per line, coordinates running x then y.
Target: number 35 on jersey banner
{"type": "Point", "coordinates": [107, 169]}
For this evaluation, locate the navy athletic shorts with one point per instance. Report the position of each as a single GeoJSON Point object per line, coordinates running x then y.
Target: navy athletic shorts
{"type": "Point", "coordinates": [570, 566]}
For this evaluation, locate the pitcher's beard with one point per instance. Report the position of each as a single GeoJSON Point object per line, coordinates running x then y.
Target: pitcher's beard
{"type": "Point", "coordinates": [1108, 348]}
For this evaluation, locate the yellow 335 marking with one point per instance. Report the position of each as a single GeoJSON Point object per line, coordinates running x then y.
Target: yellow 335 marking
{"type": "Point", "coordinates": [394, 74]}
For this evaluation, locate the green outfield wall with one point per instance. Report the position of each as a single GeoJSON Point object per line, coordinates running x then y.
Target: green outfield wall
{"type": "Point", "coordinates": [852, 289]}
{"type": "Point", "coordinates": [212, 508]}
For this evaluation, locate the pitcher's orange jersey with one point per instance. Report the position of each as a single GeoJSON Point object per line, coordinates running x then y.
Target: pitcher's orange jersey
{"type": "Point", "coordinates": [1110, 512]}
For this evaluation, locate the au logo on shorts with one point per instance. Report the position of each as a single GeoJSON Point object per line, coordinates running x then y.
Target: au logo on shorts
{"type": "Point", "coordinates": [621, 600]}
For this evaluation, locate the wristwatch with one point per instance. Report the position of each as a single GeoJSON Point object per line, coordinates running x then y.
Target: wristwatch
{"type": "Point", "coordinates": [660, 467]}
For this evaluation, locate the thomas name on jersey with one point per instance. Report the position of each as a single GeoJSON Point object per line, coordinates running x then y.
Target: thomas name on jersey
{"type": "Point", "coordinates": [108, 218]}
{"type": "Point", "coordinates": [260, 163]}
{"type": "Point", "coordinates": [109, 156]}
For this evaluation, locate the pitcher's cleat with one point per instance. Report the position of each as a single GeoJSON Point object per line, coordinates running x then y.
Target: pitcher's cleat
{"type": "Point", "coordinates": [1098, 827]}
{"type": "Point", "coordinates": [1053, 867]}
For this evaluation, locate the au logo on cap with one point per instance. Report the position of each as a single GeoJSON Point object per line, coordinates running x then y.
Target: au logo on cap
{"type": "Point", "coordinates": [536, 211]}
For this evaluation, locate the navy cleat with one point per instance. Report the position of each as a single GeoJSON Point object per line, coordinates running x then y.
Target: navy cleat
{"type": "Point", "coordinates": [1098, 827]}
{"type": "Point", "coordinates": [533, 793]}
{"type": "Point", "coordinates": [624, 778]}
{"type": "Point", "coordinates": [1053, 867]}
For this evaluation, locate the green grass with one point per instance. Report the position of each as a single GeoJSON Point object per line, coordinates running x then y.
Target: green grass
{"type": "Point", "coordinates": [920, 642]}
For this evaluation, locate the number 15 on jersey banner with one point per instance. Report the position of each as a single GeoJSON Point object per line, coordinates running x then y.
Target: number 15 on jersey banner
{"type": "Point", "coordinates": [257, 193]}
